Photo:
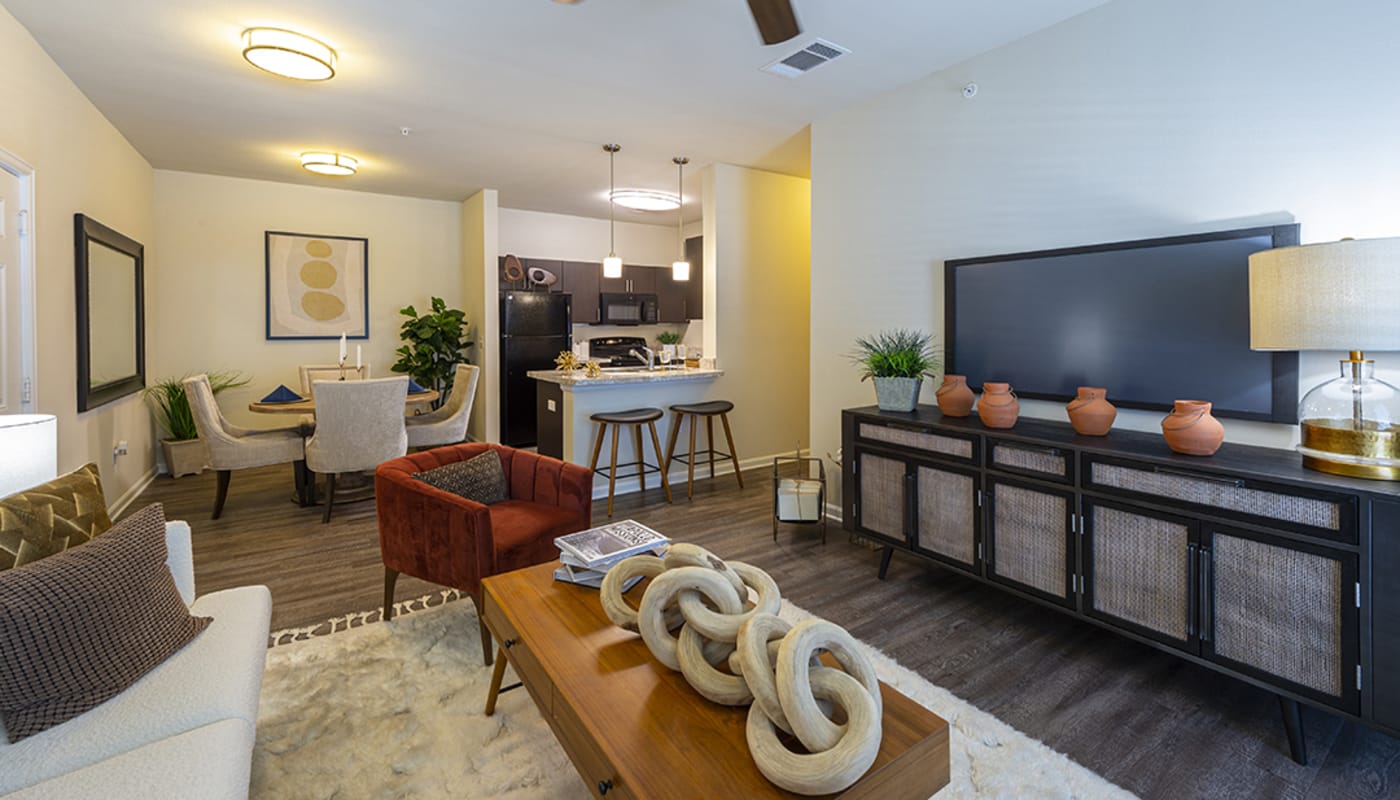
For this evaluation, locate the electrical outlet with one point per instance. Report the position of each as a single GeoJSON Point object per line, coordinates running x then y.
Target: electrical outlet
{"type": "Point", "coordinates": [119, 449]}
{"type": "Point", "coordinates": [549, 404]}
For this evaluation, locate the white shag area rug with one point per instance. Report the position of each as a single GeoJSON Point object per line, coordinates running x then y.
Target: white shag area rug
{"type": "Point", "coordinates": [394, 710]}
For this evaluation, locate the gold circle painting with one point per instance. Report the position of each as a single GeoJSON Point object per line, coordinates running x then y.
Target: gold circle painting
{"type": "Point", "coordinates": [318, 274]}
{"type": "Point", "coordinates": [322, 306]}
{"type": "Point", "coordinates": [318, 249]}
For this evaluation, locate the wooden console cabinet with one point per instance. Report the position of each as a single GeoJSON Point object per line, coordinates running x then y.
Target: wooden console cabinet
{"type": "Point", "coordinates": [1243, 562]}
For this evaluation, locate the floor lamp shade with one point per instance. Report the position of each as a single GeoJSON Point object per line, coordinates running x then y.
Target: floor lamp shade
{"type": "Point", "coordinates": [1336, 296]}
{"type": "Point", "coordinates": [28, 451]}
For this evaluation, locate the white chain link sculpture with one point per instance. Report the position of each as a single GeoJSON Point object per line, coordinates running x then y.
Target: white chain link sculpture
{"type": "Point", "coordinates": [772, 664]}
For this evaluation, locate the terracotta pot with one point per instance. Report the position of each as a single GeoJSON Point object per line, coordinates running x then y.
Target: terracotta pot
{"type": "Point", "coordinates": [1090, 412]}
{"type": "Point", "coordinates": [955, 399]}
{"type": "Point", "coordinates": [1191, 430]}
{"type": "Point", "coordinates": [998, 407]}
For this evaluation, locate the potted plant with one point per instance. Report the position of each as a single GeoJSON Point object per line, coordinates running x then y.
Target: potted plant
{"type": "Point", "coordinates": [184, 451]}
{"type": "Point", "coordinates": [434, 345]}
{"type": "Point", "coordinates": [668, 341]}
{"type": "Point", "coordinates": [898, 360]}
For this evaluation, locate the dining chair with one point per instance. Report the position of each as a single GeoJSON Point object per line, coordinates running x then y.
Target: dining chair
{"type": "Point", "coordinates": [310, 373]}
{"type": "Point", "coordinates": [448, 424]}
{"type": "Point", "coordinates": [359, 425]}
{"type": "Point", "coordinates": [232, 447]}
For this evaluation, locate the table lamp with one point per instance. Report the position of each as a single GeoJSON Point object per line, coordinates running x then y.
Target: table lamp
{"type": "Point", "coordinates": [28, 451]}
{"type": "Point", "coordinates": [1336, 296]}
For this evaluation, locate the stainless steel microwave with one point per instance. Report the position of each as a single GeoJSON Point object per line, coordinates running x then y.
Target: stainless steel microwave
{"type": "Point", "coordinates": [623, 308]}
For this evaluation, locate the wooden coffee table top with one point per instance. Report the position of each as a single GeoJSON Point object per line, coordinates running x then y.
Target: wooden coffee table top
{"type": "Point", "coordinates": [658, 735]}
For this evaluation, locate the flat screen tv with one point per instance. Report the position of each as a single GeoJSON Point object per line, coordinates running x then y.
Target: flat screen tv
{"type": "Point", "coordinates": [1152, 321]}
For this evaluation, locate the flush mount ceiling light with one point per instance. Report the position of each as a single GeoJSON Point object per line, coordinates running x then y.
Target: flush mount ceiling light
{"type": "Point", "coordinates": [646, 199]}
{"type": "Point", "coordinates": [288, 54]}
{"type": "Point", "coordinates": [612, 265]}
{"type": "Point", "coordinates": [330, 163]}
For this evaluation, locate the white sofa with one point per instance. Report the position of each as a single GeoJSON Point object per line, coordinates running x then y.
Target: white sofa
{"type": "Point", "coordinates": [185, 730]}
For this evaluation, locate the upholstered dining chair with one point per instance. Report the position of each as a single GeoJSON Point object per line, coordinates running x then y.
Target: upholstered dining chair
{"type": "Point", "coordinates": [310, 373]}
{"type": "Point", "coordinates": [444, 538]}
{"type": "Point", "coordinates": [232, 447]}
{"type": "Point", "coordinates": [448, 424]}
{"type": "Point", "coordinates": [359, 425]}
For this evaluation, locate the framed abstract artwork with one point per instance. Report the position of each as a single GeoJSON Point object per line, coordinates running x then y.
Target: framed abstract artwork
{"type": "Point", "coordinates": [317, 286]}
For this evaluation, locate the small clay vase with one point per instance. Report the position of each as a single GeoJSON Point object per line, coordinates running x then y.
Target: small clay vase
{"type": "Point", "coordinates": [1191, 430]}
{"type": "Point", "coordinates": [955, 399]}
{"type": "Point", "coordinates": [1090, 412]}
{"type": "Point", "coordinates": [998, 407]}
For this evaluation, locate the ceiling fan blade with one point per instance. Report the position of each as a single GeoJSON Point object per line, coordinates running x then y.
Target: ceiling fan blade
{"type": "Point", "coordinates": [775, 19]}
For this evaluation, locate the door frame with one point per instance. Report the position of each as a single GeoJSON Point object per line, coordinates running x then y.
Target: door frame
{"type": "Point", "coordinates": [28, 307]}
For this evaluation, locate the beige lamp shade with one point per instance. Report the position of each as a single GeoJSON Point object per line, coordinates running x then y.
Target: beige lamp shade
{"type": "Point", "coordinates": [1333, 296]}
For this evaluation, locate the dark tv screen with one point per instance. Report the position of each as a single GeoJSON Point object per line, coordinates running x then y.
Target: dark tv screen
{"type": "Point", "coordinates": [1151, 321]}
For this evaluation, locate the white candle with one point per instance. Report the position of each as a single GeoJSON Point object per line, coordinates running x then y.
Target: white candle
{"type": "Point", "coordinates": [342, 348]}
{"type": "Point", "coordinates": [357, 356]}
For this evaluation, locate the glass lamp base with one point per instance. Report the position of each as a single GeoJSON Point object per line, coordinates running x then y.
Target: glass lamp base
{"type": "Point", "coordinates": [1335, 446]}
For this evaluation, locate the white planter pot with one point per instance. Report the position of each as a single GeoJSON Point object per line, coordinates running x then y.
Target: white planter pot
{"type": "Point", "coordinates": [897, 394]}
{"type": "Point", "coordinates": [188, 457]}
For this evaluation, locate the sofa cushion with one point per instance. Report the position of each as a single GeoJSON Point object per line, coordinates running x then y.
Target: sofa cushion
{"type": "Point", "coordinates": [82, 625]}
{"type": "Point", "coordinates": [480, 479]}
{"type": "Point", "coordinates": [524, 532]}
{"type": "Point", "coordinates": [52, 517]}
{"type": "Point", "coordinates": [217, 677]}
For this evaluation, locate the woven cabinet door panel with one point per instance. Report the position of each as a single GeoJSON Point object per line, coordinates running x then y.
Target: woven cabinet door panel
{"type": "Point", "coordinates": [1029, 540]}
{"type": "Point", "coordinates": [947, 515]}
{"type": "Point", "coordinates": [1279, 610]}
{"type": "Point", "coordinates": [1140, 571]}
{"type": "Point", "coordinates": [882, 495]}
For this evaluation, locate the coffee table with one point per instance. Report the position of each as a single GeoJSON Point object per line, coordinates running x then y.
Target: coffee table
{"type": "Point", "coordinates": [635, 729]}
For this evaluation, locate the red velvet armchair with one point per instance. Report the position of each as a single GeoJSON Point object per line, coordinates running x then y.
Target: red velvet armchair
{"type": "Point", "coordinates": [443, 538]}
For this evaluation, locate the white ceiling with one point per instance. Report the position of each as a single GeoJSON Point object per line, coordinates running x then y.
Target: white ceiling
{"type": "Point", "coordinates": [516, 95]}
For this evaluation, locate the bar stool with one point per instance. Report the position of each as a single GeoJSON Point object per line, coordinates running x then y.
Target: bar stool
{"type": "Point", "coordinates": [709, 410]}
{"type": "Point", "coordinates": [636, 418]}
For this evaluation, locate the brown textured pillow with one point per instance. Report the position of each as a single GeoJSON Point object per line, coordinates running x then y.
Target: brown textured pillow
{"type": "Point", "coordinates": [81, 626]}
{"type": "Point", "coordinates": [52, 517]}
{"type": "Point", "coordinates": [480, 479]}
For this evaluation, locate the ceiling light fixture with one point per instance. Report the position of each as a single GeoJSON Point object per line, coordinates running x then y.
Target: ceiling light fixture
{"type": "Point", "coordinates": [612, 265]}
{"type": "Point", "coordinates": [646, 199]}
{"type": "Point", "coordinates": [289, 54]}
{"type": "Point", "coordinates": [680, 268]}
{"type": "Point", "coordinates": [330, 163]}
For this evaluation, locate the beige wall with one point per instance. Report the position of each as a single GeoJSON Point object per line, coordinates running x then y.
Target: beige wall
{"type": "Point", "coordinates": [206, 289]}
{"type": "Point", "coordinates": [537, 234]}
{"type": "Point", "coordinates": [757, 263]}
{"type": "Point", "coordinates": [82, 165]}
{"type": "Point", "coordinates": [1133, 120]}
{"type": "Point", "coordinates": [480, 225]}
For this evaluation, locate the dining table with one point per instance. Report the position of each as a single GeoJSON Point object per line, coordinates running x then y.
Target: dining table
{"type": "Point", "coordinates": [307, 405]}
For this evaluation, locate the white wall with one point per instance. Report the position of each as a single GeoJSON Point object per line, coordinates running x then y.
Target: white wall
{"type": "Point", "coordinates": [537, 234]}
{"type": "Point", "coordinates": [206, 289]}
{"type": "Point", "coordinates": [1137, 119]}
{"type": "Point", "coordinates": [82, 165]}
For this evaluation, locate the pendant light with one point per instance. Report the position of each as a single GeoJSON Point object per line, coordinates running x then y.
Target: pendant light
{"type": "Point", "coordinates": [612, 265]}
{"type": "Point", "coordinates": [680, 269]}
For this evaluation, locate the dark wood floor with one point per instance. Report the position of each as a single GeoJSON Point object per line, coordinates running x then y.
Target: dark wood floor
{"type": "Point", "coordinates": [1151, 723]}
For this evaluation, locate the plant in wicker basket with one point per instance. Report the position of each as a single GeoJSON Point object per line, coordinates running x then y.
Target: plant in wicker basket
{"type": "Point", "coordinates": [898, 360]}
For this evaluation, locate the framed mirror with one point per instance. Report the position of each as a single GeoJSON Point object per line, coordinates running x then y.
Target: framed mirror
{"type": "Point", "coordinates": [111, 313]}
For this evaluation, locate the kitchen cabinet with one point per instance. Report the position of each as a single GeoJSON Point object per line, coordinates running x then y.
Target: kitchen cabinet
{"type": "Point", "coordinates": [635, 280]}
{"type": "Point", "coordinates": [670, 297]}
{"type": "Point", "coordinates": [695, 287]}
{"type": "Point", "coordinates": [582, 280]}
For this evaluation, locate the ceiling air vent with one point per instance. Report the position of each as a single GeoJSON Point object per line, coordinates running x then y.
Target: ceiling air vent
{"type": "Point", "coordinates": [806, 59]}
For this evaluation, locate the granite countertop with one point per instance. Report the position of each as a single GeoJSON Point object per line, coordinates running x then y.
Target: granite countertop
{"type": "Point", "coordinates": [577, 379]}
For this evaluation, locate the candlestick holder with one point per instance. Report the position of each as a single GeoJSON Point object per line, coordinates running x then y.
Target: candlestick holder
{"type": "Point", "coordinates": [342, 369]}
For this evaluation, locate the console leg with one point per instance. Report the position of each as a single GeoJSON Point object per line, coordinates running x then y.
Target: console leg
{"type": "Point", "coordinates": [496, 675]}
{"type": "Point", "coordinates": [885, 557]}
{"type": "Point", "coordinates": [1293, 725]}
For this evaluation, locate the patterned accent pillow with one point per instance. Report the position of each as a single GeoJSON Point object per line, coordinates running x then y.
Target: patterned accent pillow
{"type": "Point", "coordinates": [52, 517]}
{"type": "Point", "coordinates": [81, 626]}
{"type": "Point", "coordinates": [480, 479]}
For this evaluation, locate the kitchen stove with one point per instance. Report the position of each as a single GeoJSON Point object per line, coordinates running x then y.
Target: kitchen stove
{"type": "Point", "coordinates": [613, 350]}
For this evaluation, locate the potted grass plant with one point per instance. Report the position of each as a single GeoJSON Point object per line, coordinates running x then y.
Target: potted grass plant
{"type": "Point", "coordinates": [184, 451]}
{"type": "Point", "coordinates": [898, 360]}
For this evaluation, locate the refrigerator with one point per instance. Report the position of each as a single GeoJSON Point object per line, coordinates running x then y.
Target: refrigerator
{"type": "Point", "coordinates": [535, 328]}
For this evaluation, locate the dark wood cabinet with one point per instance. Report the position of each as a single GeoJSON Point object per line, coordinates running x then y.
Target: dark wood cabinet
{"type": "Point", "coordinates": [582, 280]}
{"type": "Point", "coordinates": [670, 297]}
{"type": "Point", "coordinates": [1243, 562]}
{"type": "Point", "coordinates": [635, 280]}
{"type": "Point", "coordinates": [695, 287]}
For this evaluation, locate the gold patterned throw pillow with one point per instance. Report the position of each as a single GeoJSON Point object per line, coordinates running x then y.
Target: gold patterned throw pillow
{"type": "Point", "coordinates": [52, 517]}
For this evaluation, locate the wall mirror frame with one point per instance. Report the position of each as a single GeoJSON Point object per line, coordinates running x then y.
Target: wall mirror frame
{"type": "Point", "coordinates": [110, 282]}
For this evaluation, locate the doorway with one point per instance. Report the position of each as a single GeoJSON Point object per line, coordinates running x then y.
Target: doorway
{"type": "Point", "coordinates": [16, 285]}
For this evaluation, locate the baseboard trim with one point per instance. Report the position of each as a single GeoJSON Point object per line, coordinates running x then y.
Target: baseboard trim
{"type": "Point", "coordinates": [677, 475]}
{"type": "Point", "coordinates": [130, 495]}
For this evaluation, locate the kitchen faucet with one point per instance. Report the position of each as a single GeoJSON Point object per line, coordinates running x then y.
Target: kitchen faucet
{"type": "Point", "coordinates": [650, 356]}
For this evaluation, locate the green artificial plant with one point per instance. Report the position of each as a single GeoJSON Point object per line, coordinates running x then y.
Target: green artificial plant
{"type": "Point", "coordinates": [434, 345]}
{"type": "Point", "coordinates": [668, 337]}
{"type": "Point", "coordinates": [171, 407]}
{"type": "Point", "coordinates": [900, 353]}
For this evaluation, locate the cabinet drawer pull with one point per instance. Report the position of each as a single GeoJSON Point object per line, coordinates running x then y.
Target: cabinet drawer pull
{"type": "Point", "coordinates": [1207, 624]}
{"type": "Point", "coordinates": [1192, 606]}
{"type": "Point", "coordinates": [1237, 483]}
{"type": "Point", "coordinates": [1049, 451]}
{"type": "Point", "coordinates": [508, 644]}
{"type": "Point", "coordinates": [604, 787]}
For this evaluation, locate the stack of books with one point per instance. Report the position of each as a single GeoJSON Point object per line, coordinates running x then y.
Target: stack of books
{"type": "Point", "coordinates": [588, 555]}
